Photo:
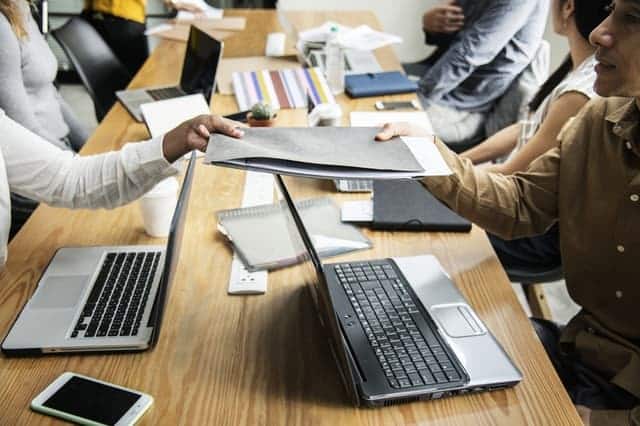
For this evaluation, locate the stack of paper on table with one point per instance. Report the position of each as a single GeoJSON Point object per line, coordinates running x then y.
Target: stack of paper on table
{"type": "Point", "coordinates": [261, 234]}
{"type": "Point", "coordinates": [283, 89]}
{"type": "Point", "coordinates": [327, 152]}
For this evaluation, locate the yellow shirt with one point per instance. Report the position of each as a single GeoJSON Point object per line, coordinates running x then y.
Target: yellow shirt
{"type": "Point", "coordinates": [133, 10]}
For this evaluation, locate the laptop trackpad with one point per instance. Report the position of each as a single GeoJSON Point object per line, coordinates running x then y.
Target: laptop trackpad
{"type": "Point", "coordinates": [59, 292]}
{"type": "Point", "coordinates": [457, 320]}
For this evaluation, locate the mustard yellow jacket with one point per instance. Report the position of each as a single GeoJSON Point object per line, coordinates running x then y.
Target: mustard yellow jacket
{"type": "Point", "coordinates": [133, 10]}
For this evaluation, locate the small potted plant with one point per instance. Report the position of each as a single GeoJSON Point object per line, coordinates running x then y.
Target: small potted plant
{"type": "Point", "coordinates": [262, 114]}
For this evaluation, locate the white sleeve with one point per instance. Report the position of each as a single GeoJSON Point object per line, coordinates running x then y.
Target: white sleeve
{"type": "Point", "coordinates": [40, 171]}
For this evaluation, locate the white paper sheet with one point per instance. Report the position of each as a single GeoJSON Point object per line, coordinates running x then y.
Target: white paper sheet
{"type": "Point", "coordinates": [162, 116]}
{"type": "Point", "coordinates": [360, 211]}
{"type": "Point", "coordinates": [366, 38]}
{"type": "Point", "coordinates": [158, 29]}
{"type": "Point", "coordinates": [427, 154]}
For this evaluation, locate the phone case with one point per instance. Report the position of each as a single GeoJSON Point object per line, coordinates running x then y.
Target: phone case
{"type": "Point", "coordinates": [81, 420]}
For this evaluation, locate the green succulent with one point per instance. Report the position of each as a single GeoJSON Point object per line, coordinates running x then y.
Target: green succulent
{"type": "Point", "coordinates": [262, 111]}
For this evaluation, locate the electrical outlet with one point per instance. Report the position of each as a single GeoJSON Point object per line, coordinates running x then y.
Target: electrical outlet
{"type": "Point", "coordinates": [258, 189]}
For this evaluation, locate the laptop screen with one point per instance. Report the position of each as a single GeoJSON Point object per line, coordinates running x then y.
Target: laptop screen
{"type": "Point", "coordinates": [314, 277]}
{"type": "Point", "coordinates": [200, 63]}
{"type": "Point", "coordinates": [172, 254]}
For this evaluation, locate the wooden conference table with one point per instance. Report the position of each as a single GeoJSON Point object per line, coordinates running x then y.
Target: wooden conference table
{"type": "Point", "coordinates": [259, 359]}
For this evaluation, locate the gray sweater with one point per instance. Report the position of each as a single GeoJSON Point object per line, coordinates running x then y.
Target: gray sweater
{"type": "Point", "coordinates": [27, 71]}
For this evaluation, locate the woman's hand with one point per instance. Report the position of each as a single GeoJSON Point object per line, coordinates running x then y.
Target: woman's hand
{"type": "Point", "coordinates": [391, 130]}
{"type": "Point", "coordinates": [194, 134]}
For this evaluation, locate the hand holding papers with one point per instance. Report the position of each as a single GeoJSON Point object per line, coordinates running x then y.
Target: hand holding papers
{"type": "Point", "coordinates": [327, 152]}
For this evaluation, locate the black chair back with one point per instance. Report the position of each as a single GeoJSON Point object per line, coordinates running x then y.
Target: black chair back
{"type": "Point", "coordinates": [100, 71]}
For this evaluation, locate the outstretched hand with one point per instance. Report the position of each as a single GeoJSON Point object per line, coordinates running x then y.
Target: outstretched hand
{"type": "Point", "coordinates": [391, 130]}
{"type": "Point", "coordinates": [194, 134]}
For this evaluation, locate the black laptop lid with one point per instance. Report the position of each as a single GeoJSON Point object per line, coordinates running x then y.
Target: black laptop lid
{"type": "Point", "coordinates": [200, 63]}
{"type": "Point", "coordinates": [317, 283]}
{"type": "Point", "coordinates": [172, 254]}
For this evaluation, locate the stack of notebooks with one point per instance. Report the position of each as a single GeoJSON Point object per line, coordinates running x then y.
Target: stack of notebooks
{"type": "Point", "coordinates": [262, 235]}
{"type": "Point", "coordinates": [282, 89]}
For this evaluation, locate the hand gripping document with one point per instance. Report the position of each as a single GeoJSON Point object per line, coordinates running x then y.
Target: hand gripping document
{"type": "Point", "coordinates": [327, 152]}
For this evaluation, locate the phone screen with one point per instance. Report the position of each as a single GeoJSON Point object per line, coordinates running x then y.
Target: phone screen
{"type": "Point", "coordinates": [91, 400]}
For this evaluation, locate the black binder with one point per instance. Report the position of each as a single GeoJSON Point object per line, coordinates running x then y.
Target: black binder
{"type": "Point", "coordinates": [407, 205]}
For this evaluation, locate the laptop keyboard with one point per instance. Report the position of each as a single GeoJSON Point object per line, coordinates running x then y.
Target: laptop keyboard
{"type": "Point", "coordinates": [409, 356]}
{"type": "Point", "coordinates": [119, 295]}
{"type": "Point", "coordinates": [165, 93]}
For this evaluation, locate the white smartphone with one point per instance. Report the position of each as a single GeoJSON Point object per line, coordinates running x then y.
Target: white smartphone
{"type": "Point", "coordinates": [86, 401]}
{"type": "Point", "coordinates": [384, 106]}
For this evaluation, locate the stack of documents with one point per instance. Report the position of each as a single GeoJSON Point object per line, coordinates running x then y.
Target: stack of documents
{"type": "Point", "coordinates": [327, 152]}
{"type": "Point", "coordinates": [287, 88]}
{"type": "Point", "coordinates": [261, 234]}
{"type": "Point", "coordinates": [361, 38]}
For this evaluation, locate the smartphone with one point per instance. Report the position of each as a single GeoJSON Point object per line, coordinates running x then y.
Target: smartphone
{"type": "Point", "coordinates": [383, 106]}
{"type": "Point", "coordinates": [88, 401]}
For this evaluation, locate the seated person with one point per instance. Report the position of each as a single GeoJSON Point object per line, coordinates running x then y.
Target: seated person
{"type": "Point", "coordinates": [559, 99]}
{"type": "Point", "coordinates": [34, 168]}
{"type": "Point", "coordinates": [122, 25]}
{"type": "Point", "coordinates": [483, 46]}
{"type": "Point", "coordinates": [27, 94]}
{"type": "Point", "coordinates": [588, 185]}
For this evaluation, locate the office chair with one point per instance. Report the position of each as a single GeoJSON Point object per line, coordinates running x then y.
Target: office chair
{"type": "Point", "coordinates": [102, 74]}
{"type": "Point", "coordinates": [531, 280]}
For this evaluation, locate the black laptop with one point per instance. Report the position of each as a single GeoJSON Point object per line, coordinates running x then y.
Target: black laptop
{"type": "Point", "coordinates": [198, 75]}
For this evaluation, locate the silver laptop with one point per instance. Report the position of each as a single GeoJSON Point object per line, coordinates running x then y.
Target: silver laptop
{"type": "Point", "coordinates": [101, 298]}
{"type": "Point", "coordinates": [399, 328]}
{"type": "Point", "coordinates": [198, 75]}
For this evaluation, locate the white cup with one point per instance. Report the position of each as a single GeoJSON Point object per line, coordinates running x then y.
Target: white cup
{"type": "Point", "coordinates": [325, 115]}
{"type": "Point", "coordinates": [158, 206]}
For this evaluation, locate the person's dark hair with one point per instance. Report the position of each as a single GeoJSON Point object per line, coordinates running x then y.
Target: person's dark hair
{"type": "Point", "coordinates": [588, 14]}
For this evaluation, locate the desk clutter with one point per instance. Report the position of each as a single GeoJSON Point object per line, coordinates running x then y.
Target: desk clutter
{"type": "Point", "coordinates": [261, 234]}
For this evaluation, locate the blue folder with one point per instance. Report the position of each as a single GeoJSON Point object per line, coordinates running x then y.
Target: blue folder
{"type": "Point", "coordinates": [378, 84]}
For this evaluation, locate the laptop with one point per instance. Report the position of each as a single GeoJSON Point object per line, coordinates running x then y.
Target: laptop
{"type": "Point", "coordinates": [198, 75]}
{"type": "Point", "coordinates": [94, 299]}
{"type": "Point", "coordinates": [399, 328]}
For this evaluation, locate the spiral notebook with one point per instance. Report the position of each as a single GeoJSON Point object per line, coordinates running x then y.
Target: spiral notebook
{"type": "Point", "coordinates": [260, 234]}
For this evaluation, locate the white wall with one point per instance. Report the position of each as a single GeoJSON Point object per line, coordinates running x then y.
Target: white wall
{"type": "Point", "coordinates": [404, 18]}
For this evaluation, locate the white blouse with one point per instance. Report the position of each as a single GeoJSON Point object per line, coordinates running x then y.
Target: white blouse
{"type": "Point", "coordinates": [34, 168]}
{"type": "Point", "coordinates": [579, 80]}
